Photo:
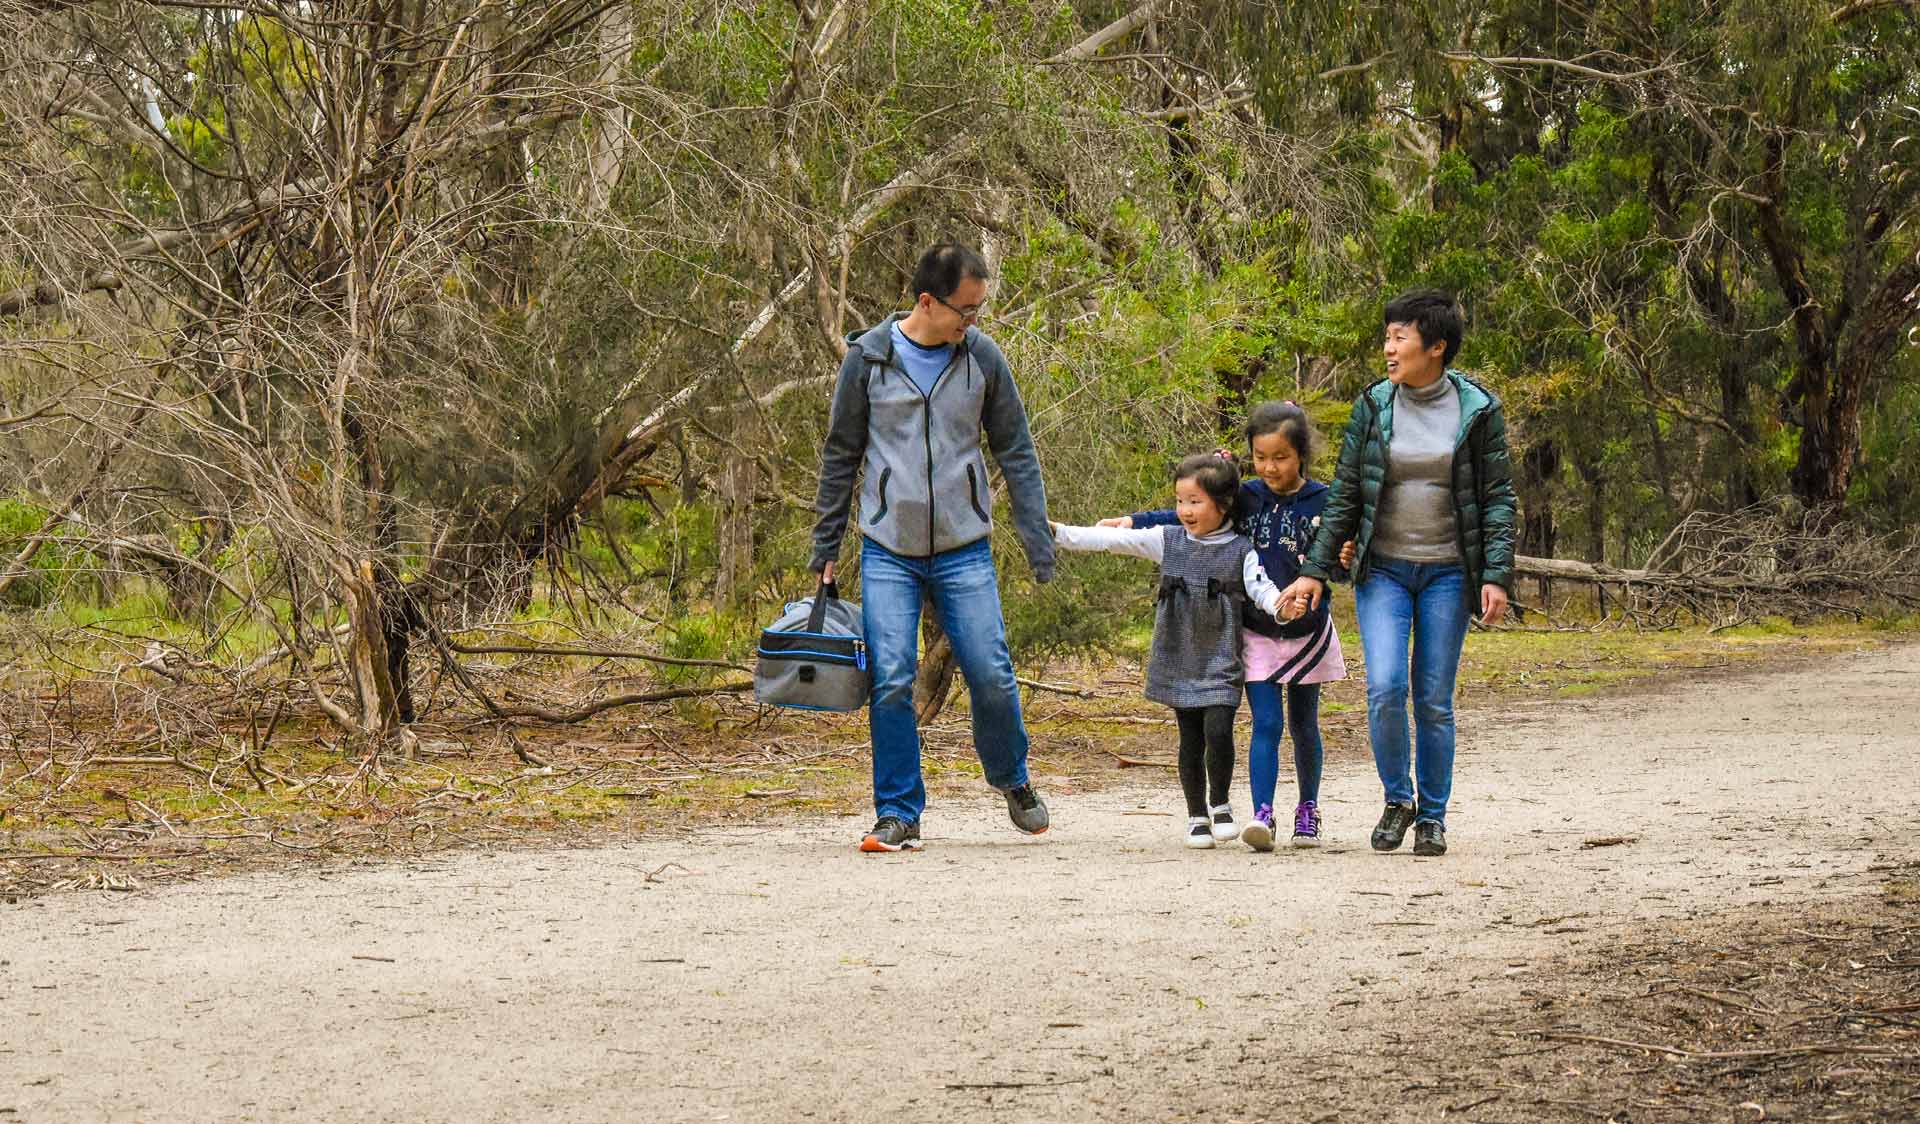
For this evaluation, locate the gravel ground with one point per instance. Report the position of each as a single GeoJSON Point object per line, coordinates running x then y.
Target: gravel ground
{"type": "Point", "coordinates": [1099, 972]}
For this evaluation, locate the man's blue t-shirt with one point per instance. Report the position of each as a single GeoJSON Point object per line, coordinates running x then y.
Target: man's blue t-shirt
{"type": "Point", "coordinates": [923, 364]}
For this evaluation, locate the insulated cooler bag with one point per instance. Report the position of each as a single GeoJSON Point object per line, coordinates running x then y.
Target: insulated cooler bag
{"type": "Point", "coordinates": [815, 656]}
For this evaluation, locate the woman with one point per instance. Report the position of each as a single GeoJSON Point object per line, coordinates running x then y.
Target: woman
{"type": "Point", "coordinates": [1424, 489]}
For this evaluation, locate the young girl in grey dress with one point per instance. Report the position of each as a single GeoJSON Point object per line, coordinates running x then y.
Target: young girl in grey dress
{"type": "Point", "coordinates": [1206, 572]}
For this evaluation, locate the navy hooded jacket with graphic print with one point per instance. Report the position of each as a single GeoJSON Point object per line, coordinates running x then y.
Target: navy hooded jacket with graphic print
{"type": "Point", "coordinates": [1281, 527]}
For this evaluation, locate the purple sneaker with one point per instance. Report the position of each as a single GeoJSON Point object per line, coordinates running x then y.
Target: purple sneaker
{"type": "Point", "coordinates": [1306, 825]}
{"type": "Point", "coordinates": [1259, 833]}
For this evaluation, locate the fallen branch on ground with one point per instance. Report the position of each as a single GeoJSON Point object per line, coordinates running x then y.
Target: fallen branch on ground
{"type": "Point", "coordinates": [547, 714]}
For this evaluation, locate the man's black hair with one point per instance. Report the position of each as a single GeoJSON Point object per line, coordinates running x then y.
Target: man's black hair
{"type": "Point", "coordinates": [944, 266]}
{"type": "Point", "coordinates": [1436, 314]}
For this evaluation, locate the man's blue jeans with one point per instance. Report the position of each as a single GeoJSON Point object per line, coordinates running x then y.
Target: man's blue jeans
{"type": "Point", "coordinates": [966, 595]}
{"type": "Point", "coordinates": [1423, 603]}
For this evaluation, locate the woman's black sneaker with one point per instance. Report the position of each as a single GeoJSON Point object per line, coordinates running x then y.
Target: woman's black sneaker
{"type": "Point", "coordinates": [1429, 839]}
{"type": "Point", "coordinates": [1391, 831]}
{"type": "Point", "coordinates": [891, 833]}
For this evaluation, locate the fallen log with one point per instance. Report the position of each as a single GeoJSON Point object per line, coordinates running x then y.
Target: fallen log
{"type": "Point", "coordinates": [1597, 573]}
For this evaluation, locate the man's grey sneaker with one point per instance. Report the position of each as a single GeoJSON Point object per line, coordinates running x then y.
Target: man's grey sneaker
{"type": "Point", "coordinates": [891, 833]}
{"type": "Point", "coordinates": [1429, 839]}
{"type": "Point", "coordinates": [1027, 810]}
{"type": "Point", "coordinates": [1224, 829]}
{"type": "Point", "coordinates": [1391, 831]}
{"type": "Point", "coordinates": [1258, 833]}
{"type": "Point", "coordinates": [1199, 833]}
{"type": "Point", "coordinates": [1306, 824]}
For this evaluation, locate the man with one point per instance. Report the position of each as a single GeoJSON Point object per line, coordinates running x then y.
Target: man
{"type": "Point", "coordinates": [914, 395]}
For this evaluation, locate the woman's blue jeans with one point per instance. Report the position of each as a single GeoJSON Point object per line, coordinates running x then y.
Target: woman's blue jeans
{"type": "Point", "coordinates": [966, 595]}
{"type": "Point", "coordinates": [1420, 606]}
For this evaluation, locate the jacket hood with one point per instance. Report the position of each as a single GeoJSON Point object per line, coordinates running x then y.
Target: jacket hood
{"type": "Point", "coordinates": [1475, 399]}
{"type": "Point", "coordinates": [1473, 396]}
{"type": "Point", "coordinates": [1307, 490]}
{"type": "Point", "coordinates": [877, 342]}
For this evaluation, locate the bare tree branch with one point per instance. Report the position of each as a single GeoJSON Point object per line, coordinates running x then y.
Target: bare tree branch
{"type": "Point", "coordinates": [1112, 33]}
{"type": "Point", "coordinates": [1864, 7]}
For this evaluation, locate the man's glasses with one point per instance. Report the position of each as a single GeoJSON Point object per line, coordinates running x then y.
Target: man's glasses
{"type": "Point", "coordinates": [972, 313]}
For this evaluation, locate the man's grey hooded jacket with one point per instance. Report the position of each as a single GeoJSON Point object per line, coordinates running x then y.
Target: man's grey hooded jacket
{"type": "Point", "coordinates": [925, 487]}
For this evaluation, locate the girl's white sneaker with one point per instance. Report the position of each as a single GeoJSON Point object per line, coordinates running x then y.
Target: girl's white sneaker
{"type": "Point", "coordinates": [1199, 834]}
{"type": "Point", "coordinates": [1224, 829]}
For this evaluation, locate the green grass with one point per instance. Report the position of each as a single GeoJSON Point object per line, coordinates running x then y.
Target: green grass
{"type": "Point", "coordinates": [1582, 662]}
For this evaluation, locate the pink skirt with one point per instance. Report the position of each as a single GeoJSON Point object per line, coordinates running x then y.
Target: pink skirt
{"type": "Point", "coordinates": [1307, 659]}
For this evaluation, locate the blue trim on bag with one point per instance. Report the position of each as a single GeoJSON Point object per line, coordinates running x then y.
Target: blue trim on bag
{"type": "Point", "coordinates": [815, 635]}
{"type": "Point", "coordinates": [804, 706]}
{"type": "Point", "coordinates": [857, 660]}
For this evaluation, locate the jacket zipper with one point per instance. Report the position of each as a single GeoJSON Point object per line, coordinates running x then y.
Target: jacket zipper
{"type": "Point", "coordinates": [1459, 536]}
{"type": "Point", "coordinates": [926, 431]}
{"type": "Point", "coordinates": [1362, 565]}
{"type": "Point", "coordinates": [960, 354]}
{"type": "Point", "coordinates": [1470, 588]}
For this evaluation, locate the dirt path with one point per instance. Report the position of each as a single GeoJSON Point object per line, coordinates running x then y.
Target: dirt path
{"type": "Point", "coordinates": [1098, 973]}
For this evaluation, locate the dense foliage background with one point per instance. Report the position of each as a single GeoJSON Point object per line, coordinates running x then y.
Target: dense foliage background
{"type": "Point", "coordinates": [331, 324]}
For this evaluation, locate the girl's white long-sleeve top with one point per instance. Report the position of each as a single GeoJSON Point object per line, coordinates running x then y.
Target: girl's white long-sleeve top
{"type": "Point", "coordinates": [1150, 543]}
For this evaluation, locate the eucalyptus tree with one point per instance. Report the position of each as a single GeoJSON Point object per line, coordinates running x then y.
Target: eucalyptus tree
{"type": "Point", "coordinates": [355, 312]}
{"type": "Point", "coordinates": [1704, 213]}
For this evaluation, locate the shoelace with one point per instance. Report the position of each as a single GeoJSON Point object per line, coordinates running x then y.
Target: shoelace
{"type": "Point", "coordinates": [1024, 797]}
{"type": "Point", "coordinates": [1303, 820]}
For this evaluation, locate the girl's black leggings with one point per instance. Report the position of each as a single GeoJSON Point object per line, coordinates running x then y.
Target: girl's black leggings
{"type": "Point", "coordinates": [1206, 755]}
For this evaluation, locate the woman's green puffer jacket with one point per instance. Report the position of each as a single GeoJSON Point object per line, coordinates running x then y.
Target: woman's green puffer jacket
{"type": "Point", "coordinates": [1483, 501]}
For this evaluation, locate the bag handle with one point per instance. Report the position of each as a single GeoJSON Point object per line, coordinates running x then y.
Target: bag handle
{"type": "Point", "coordinates": [817, 616]}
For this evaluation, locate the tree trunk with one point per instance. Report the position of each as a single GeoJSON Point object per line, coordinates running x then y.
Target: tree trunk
{"type": "Point", "coordinates": [368, 661]}
{"type": "Point", "coordinates": [1825, 462]}
{"type": "Point", "coordinates": [1539, 465]}
{"type": "Point", "coordinates": [1837, 350]}
{"type": "Point", "coordinates": [1736, 408]}
{"type": "Point", "coordinates": [933, 685]}
{"type": "Point", "coordinates": [1596, 482]}
{"type": "Point", "coordinates": [734, 533]}
{"type": "Point", "coordinates": [612, 135]}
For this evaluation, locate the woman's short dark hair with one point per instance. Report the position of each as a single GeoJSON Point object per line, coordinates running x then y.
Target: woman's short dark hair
{"type": "Point", "coordinates": [944, 266]}
{"type": "Point", "coordinates": [1218, 477]}
{"type": "Point", "coordinates": [1288, 420]}
{"type": "Point", "coordinates": [1436, 314]}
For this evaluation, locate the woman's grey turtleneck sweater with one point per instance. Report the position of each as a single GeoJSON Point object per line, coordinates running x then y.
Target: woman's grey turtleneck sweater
{"type": "Point", "coordinates": [1415, 522]}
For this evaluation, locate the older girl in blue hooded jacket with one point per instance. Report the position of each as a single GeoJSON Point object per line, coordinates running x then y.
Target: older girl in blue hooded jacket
{"type": "Point", "coordinates": [1286, 660]}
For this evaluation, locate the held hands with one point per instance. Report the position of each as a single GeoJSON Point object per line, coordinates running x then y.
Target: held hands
{"type": "Point", "coordinates": [1300, 598]}
{"type": "Point", "coordinates": [1303, 596]}
{"type": "Point", "coordinates": [1116, 521]}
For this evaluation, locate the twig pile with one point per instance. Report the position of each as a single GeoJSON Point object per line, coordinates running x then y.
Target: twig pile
{"type": "Point", "coordinates": [1772, 1020]}
{"type": "Point", "coordinates": [1767, 560]}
